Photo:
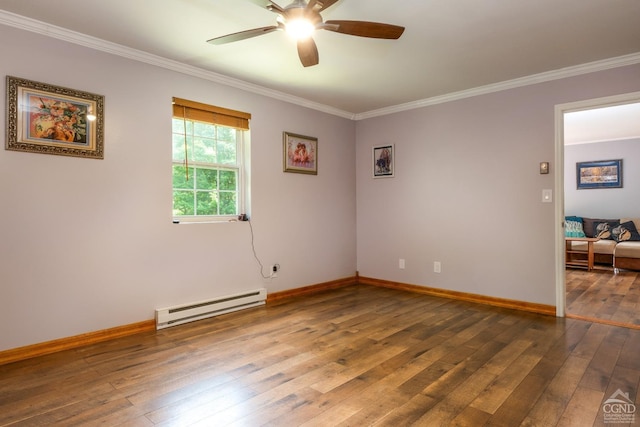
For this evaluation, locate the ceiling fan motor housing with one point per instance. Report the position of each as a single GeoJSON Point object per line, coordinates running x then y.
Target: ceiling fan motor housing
{"type": "Point", "coordinates": [298, 10]}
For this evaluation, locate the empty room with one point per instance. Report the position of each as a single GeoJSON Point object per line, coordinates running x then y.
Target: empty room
{"type": "Point", "coordinates": [207, 220]}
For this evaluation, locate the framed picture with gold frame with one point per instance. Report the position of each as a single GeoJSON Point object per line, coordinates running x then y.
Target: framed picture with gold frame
{"type": "Point", "coordinates": [42, 118]}
{"type": "Point", "coordinates": [300, 153]}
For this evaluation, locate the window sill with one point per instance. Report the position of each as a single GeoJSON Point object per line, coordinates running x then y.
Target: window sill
{"type": "Point", "coordinates": [205, 221]}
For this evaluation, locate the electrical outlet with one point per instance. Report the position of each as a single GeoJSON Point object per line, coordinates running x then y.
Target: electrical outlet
{"type": "Point", "coordinates": [401, 264]}
{"type": "Point", "coordinates": [274, 270]}
{"type": "Point", "coordinates": [437, 267]}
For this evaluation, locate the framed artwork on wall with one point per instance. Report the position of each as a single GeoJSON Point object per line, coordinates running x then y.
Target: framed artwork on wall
{"type": "Point", "coordinates": [383, 161]}
{"type": "Point", "coordinates": [42, 118]}
{"type": "Point", "coordinates": [599, 174]}
{"type": "Point", "coordinates": [300, 153]}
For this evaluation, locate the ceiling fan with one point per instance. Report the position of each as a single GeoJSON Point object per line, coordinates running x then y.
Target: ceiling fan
{"type": "Point", "coordinates": [302, 18]}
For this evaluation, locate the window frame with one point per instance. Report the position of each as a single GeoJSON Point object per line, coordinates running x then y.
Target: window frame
{"type": "Point", "coordinates": [241, 128]}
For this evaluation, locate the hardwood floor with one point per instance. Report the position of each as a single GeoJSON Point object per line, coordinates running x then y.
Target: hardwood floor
{"type": "Point", "coordinates": [601, 295]}
{"type": "Point", "coordinates": [354, 356]}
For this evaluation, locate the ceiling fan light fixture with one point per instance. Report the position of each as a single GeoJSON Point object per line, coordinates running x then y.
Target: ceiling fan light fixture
{"type": "Point", "coordinates": [302, 18]}
{"type": "Point", "coordinates": [300, 29]}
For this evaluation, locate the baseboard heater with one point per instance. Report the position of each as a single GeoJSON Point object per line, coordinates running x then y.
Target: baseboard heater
{"type": "Point", "coordinates": [177, 315]}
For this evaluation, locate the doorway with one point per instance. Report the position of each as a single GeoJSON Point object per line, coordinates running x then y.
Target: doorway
{"type": "Point", "coordinates": [584, 123]}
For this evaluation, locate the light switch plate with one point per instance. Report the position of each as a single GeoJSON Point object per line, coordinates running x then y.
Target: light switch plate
{"type": "Point", "coordinates": [547, 196]}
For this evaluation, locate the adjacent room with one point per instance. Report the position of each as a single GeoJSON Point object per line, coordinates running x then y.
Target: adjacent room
{"type": "Point", "coordinates": [207, 220]}
{"type": "Point", "coordinates": [602, 210]}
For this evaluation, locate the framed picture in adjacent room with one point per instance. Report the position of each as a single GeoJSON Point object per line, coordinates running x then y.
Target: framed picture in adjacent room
{"type": "Point", "coordinates": [383, 161]}
{"type": "Point", "coordinates": [42, 118]}
{"type": "Point", "coordinates": [599, 174]}
{"type": "Point", "coordinates": [300, 153]}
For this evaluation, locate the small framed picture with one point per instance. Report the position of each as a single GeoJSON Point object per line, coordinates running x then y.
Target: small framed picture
{"type": "Point", "coordinates": [383, 161]}
{"type": "Point", "coordinates": [43, 118]}
{"type": "Point", "coordinates": [300, 153]}
{"type": "Point", "coordinates": [600, 174]}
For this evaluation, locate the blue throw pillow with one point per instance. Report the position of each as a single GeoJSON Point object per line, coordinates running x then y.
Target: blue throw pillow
{"type": "Point", "coordinates": [626, 231]}
{"type": "Point", "coordinates": [573, 227]}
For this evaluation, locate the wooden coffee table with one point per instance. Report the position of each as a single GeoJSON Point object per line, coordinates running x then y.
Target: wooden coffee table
{"type": "Point", "coordinates": [590, 255]}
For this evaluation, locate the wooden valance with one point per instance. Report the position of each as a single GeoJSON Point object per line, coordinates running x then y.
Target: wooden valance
{"type": "Point", "coordinates": [198, 111]}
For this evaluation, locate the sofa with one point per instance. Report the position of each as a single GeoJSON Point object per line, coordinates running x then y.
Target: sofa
{"type": "Point", "coordinates": [619, 244]}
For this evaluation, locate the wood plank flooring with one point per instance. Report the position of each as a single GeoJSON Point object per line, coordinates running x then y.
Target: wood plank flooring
{"type": "Point", "coordinates": [602, 295]}
{"type": "Point", "coordinates": [355, 356]}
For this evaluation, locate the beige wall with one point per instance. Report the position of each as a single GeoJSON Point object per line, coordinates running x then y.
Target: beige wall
{"type": "Point", "coordinates": [89, 244]}
{"type": "Point", "coordinates": [467, 190]}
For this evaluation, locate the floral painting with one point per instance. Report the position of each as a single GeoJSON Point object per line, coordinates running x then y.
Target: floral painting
{"type": "Point", "coordinates": [300, 154]}
{"type": "Point", "coordinates": [42, 118]}
{"type": "Point", "coordinates": [56, 119]}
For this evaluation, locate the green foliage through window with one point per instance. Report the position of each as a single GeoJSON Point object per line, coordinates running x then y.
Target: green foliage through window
{"type": "Point", "coordinates": [209, 186]}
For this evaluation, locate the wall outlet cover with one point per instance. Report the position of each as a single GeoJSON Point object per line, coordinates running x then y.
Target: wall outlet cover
{"type": "Point", "coordinates": [437, 267]}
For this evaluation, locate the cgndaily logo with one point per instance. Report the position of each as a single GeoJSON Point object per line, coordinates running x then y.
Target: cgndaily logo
{"type": "Point", "coordinates": [619, 409]}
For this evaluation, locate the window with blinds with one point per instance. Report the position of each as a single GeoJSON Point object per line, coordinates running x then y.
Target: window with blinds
{"type": "Point", "coordinates": [208, 161]}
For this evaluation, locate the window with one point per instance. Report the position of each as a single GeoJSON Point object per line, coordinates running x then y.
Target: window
{"type": "Point", "coordinates": [208, 161]}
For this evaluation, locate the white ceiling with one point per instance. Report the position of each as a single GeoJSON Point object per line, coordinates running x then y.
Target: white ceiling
{"type": "Point", "coordinates": [602, 124]}
{"type": "Point", "coordinates": [449, 47]}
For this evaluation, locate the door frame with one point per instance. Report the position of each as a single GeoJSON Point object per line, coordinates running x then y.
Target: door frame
{"type": "Point", "coordinates": [560, 110]}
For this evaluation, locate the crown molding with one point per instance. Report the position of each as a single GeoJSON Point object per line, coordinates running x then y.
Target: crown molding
{"type": "Point", "coordinates": [39, 27]}
{"type": "Point", "coordinates": [562, 73]}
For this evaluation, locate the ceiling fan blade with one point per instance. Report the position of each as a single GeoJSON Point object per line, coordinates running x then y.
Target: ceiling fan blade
{"type": "Point", "coordinates": [326, 3]}
{"type": "Point", "coordinates": [247, 34]}
{"type": "Point", "coordinates": [269, 5]}
{"type": "Point", "coordinates": [308, 52]}
{"type": "Point", "coordinates": [365, 29]}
